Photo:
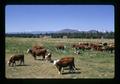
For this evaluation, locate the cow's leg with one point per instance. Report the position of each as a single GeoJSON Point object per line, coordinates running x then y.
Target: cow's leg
{"type": "Point", "coordinates": [73, 66]}
{"type": "Point", "coordinates": [23, 61]}
{"type": "Point", "coordinates": [83, 49]}
{"type": "Point", "coordinates": [20, 62]}
{"type": "Point", "coordinates": [13, 63]}
{"type": "Point", "coordinates": [34, 57]}
{"type": "Point", "coordinates": [70, 68]}
{"type": "Point", "coordinates": [59, 70]}
{"type": "Point", "coordinates": [43, 57]}
{"type": "Point", "coordinates": [111, 50]}
{"type": "Point", "coordinates": [62, 69]}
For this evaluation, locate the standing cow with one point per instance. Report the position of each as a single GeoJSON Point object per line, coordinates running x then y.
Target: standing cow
{"type": "Point", "coordinates": [60, 47]}
{"type": "Point", "coordinates": [37, 52]}
{"type": "Point", "coordinates": [14, 58]}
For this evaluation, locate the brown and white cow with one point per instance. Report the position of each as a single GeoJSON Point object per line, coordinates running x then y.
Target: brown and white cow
{"type": "Point", "coordinates": [65, 62]}
{"type": "Point", "coordinates": [14, 58]}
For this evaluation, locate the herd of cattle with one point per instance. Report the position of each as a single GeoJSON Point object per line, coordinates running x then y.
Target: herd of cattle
{"type": "Point", "coordinates": [65, 61]}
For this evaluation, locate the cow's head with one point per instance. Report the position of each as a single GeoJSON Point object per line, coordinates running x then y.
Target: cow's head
{"type": "Point", "coordinates": [55, 61]}
{"type": "Point", "coordinates": [29, 50]}
{"type": "Point", "coordinates": [9, 61]}
{"type": "Point", "coordinates": [47, 55]}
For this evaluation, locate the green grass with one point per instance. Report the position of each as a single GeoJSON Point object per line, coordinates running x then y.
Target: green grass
{"type": "Point", "coordinates": [92, 64]}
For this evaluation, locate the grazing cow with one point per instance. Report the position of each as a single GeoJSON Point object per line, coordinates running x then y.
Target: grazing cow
{"type": "Point", "coordinates": [14, 58]}
{"type": "Point", "coordinates": [37, 47]}
{"type": "Point", "coordinates": [97, 47]}
{"type": "Point", "coordinates": [61, 47]}
{"type": "Point", "coordinates": [105, 44]}
{"type": "Point", "coordinates": [79, 46]}
{"type": "Point", "coordinates": [110, 48]}
{"type": "Point", "coordinates": [37, 52]}
{"type": "Point", "coordinates": [65, 62]}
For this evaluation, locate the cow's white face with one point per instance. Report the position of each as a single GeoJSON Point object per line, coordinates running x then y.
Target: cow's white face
{"type": "Point", "coordinates": [28, 50]}
{"type": "Point", "coordinates": [8, 62]}
{"type": "Point", "coordinates": [55, 61]}
{"type": "Point", "coordinates": [47, 55]}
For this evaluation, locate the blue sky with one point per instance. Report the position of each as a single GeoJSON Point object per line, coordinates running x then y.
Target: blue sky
{"type": "Point", "coordinates": [26, 18]}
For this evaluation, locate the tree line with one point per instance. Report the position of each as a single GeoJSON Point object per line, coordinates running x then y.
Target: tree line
{"type": "Point", "coordinates": [108, 35]}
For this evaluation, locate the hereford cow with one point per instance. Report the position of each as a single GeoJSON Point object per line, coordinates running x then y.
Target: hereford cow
{"type": "Point", "coordinates": [65, 62]}
{"type": "Point", "coordinates": [14, 58]}
{"type": "Point", "coordinates": [37, 52]}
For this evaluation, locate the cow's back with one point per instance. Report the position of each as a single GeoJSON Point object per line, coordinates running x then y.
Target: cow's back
{"type": "Point", "coordinates": [66, 61]}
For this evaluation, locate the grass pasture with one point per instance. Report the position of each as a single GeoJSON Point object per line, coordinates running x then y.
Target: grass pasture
{"type": "Point", "coordinates": [90, 64]}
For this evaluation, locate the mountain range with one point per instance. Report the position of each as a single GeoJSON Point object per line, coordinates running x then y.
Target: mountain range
{"type": "Point", "coordinates": [59, 31]}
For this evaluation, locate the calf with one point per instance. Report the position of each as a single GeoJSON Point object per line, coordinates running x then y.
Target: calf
{"type": "Point", "coordinates": [14, 58]}
{"type": "Point", "coordinates": [65, 62]}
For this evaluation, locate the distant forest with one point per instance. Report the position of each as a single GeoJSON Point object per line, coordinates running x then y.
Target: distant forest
{"type": "Point", "coordinates": [108, 35]}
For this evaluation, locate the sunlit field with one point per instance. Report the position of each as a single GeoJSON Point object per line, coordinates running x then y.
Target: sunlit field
{"type": "Point", "coordinates": [90, 63]}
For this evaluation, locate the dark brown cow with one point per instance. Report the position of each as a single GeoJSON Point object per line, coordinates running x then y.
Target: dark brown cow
{"type": "Point", "coordinates": [14, 58]}
{"type": "Point", "coordinates": [110, 48]}
{"type": "Point", "coordinates": [61, 47]}
{"type": "Point", "coordinates": [65, 62]}
{"type": "Point", "coordinates": [37, 52]}
{"type": "Point", "coordinates": [79, 46]}
{"type": "Point", "coordinates": [97, 47]}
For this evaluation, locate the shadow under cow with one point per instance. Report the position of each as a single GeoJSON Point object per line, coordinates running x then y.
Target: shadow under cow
{"type": "Point", "coordinates": [67, 68]}
{"type": "Point", "coordinates": [39, 59]}
{"type": "Point", "coordinates": [23, 65]}
{"type": "Point", "coordinates": [76, 72]}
